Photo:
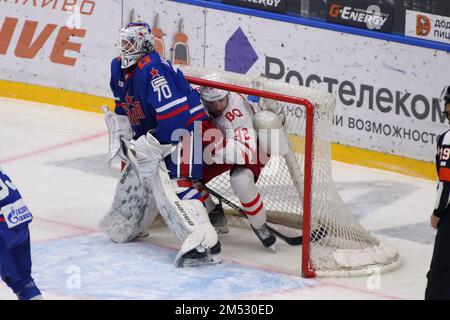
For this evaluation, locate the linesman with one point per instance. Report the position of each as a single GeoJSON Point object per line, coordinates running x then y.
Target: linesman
{"type": "Point", "coordinates": [438, 287]}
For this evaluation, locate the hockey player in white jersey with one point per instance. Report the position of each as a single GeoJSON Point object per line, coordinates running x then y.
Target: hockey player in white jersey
{"type": "Point", "coordinates": [233, 115]}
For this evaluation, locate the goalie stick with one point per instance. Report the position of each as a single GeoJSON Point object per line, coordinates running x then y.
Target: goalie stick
{"type": "Point", "coordinates": [293, 241]}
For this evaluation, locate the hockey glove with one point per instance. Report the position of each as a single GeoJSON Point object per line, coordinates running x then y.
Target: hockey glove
{"type": "Point", "coordinates": [118, 126]}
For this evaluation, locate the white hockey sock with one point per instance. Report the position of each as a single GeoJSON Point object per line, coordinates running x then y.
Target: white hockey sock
{"type": "Point", "coordinates": [243, 184]}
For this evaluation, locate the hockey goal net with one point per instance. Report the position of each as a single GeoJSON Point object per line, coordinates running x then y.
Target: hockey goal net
{"type": "Point", "coordinates": [299, 192]}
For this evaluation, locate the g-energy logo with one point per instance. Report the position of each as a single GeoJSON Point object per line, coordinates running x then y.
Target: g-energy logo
{"type": "Point", "coordinates": [372, 16]}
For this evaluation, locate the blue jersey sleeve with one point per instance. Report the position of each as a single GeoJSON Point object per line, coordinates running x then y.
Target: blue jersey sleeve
{"type": "Point", "coordinates": [13, 210]}
{"type": "Point", "coordinates": [8, 192]}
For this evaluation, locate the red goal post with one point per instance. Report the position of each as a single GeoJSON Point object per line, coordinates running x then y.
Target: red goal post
{"type": "Point", "coordinates": [306, 225]}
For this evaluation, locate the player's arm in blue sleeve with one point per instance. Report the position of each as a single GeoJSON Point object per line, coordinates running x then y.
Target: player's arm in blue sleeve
{"type": "Point", "coordinates": [170, 102]}
{"type": "Point", "coordinates": [115, 73]}
{"type": "Point", "coordinates": [443, 168]}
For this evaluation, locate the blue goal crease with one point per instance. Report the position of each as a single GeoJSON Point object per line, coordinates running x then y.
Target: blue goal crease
{"type": "Point", "coordinates": [92, 266]}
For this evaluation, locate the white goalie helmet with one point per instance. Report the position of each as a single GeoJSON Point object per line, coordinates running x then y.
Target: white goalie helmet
{"type": "Point", "coordinates": [134, 41]}
{"type": "Point", "coordinates": [213, 94]}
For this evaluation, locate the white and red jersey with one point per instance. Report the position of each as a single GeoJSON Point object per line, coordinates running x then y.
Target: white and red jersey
{"type": "Point", "coordinates": [237, 152]}
{"type": "Point", "coordinates": [236, 126]}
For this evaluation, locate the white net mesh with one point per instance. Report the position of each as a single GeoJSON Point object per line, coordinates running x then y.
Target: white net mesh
{"type": "Point", "coordinates": [347, 249]}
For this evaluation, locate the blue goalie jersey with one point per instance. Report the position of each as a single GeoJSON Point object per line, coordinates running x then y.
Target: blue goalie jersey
{"type": "Point", "coordinates": [156, 97]}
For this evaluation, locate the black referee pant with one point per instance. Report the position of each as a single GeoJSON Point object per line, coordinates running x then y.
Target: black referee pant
{"type": "Point", "coordinates": [438, 287]}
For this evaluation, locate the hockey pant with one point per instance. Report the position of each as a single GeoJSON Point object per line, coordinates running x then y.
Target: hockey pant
{"type": "Point", "coordinates": [15, 260]}
{"type": "Point", "coordinates": [438, 287]}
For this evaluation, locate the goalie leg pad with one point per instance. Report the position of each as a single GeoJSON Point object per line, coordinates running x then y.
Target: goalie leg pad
{"type": "Point", "coordinates": [187, 219]}
{"type": "Point", "coordinates": [133, 209]}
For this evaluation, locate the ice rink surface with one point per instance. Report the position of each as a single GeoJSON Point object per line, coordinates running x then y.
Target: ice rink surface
{"type": "Point", "coordinates": [57, 158]}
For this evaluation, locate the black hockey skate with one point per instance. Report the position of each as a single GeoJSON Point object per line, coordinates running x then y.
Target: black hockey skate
{"type": "Point", "coordinates": [218, 219]}
{"type": "Point", "coordinates": [195, 258]}
{"type": "Point", "coordinates": [266, 237]}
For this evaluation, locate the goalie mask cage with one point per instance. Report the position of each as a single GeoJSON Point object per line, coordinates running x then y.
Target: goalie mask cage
{"type": "Point", "coordinates": [298, 189]}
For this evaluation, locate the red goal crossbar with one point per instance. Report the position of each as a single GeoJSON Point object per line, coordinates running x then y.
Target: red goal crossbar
{"type": "Point", "coordinates": [307, 271]}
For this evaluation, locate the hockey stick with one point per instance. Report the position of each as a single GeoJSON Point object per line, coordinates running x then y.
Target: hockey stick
{"type": "Point", "coordinates": [293, 241]}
